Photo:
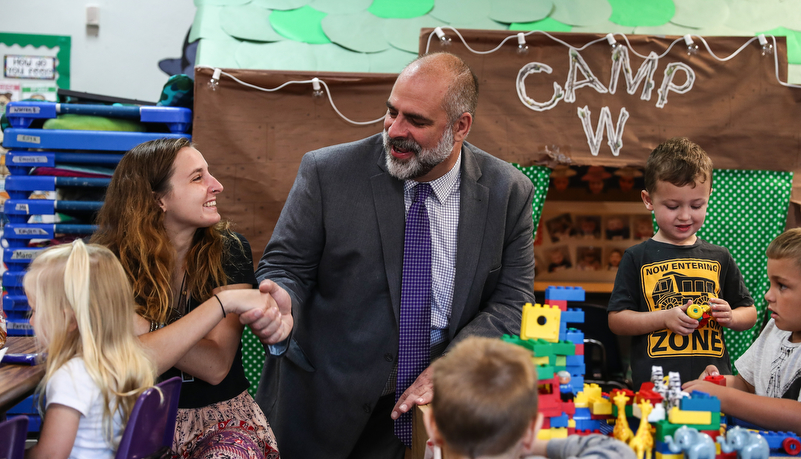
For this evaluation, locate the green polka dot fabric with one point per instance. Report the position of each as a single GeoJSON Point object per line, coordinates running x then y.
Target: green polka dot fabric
{"type": "Point", "coordinates": [252, 359]}
{"type": "Point", "coordinates": [252, 349]}
{"type": "Point", "coordinates": [747, 210]}
{"type": "Point", "coordinates": [539, 176]}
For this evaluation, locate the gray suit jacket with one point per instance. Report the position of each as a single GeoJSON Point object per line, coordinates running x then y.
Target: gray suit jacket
{"type": "Point", "coordinates": [338, 248]}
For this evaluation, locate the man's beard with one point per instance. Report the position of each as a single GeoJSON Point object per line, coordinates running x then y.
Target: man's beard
{"type": "Point", "coordinates": [422, 161]}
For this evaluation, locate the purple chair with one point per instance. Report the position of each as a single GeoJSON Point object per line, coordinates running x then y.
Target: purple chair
{"type": "Point", "coordinates": [12, 437]}
{"type": "Point", "coordinates": [152, 422]}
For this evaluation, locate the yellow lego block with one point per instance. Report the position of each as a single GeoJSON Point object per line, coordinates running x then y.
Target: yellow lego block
{"type": "Point", "coordinates": [558, 432]}
{"type": "Point", "coordinates": [601, 406]}
{"type": "Point", "coordinates": [581, 400]}
{"type": "Point", "coordinates": [669, 456]}
{"type": "Point", "coordinates": [677, 416]}
{"type": "Point", "coordinates": [540, 360]}
{"type": "Point", "coordinates": [540, 322]}
{"type": "Point", "coordinates": [544, 434]}
{"type": "Point", "coordinates": [571, 423]}
{"type": "Point", "coordinates": [592, 390]}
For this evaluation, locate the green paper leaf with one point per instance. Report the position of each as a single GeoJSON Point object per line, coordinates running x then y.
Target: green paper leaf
{"type": "Point", "coordinates": [404, 34]}
{"type": "Point", "coordinates": [281, 4]}
{"type": "Point", "coordinates": [248, 23]}
{"type": "Point", "coordinates": [709, 13]}
{"type": "Point", "coordinates": [207, 24]}
{"type": "Point", "coordinates": [458, 12]}
{"type": "Point", "coordinates": [636, 13]}
{"type": "Point", "coordinates": [546, 25]}
{"type": "Point", "coordinates": [793, 42]}
{"type": "Point", "coordinates": [217, 52]}
{"type": "Point", "coordinates": [509, 11]}
{"type": "Point", "coordinates": [581, 12]}
{"type": "Point", "coordinates": [361, 32]}
{"type": "Point", "coordinates": [341, 6]}
{"type": "Point", "coordinates": [390, 61]}
{"type": "Point", "coordinates": [405, 9]}
{"type": "Point", "coordinates": [282, 55]}
{"type": "Point", "coordinates": [750, 17]}
{"type": "Point", "coordinates": [303, 24]}
{"type": "Point", "coordinates": [334, 58]}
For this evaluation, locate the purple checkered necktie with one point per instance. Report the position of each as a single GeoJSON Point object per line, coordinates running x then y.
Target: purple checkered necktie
{"type": "Point", "coordinates": [415, 309]}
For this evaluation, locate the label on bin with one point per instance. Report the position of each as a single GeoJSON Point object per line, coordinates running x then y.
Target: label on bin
{"type": "Point", "coordinates": [24, 254]}
{"type": "Point", "coordinates": [21, 208]}
{"type": "Point", "coordinates": [30, 231]}
{"type": "Point", "coordinates": [29, 138]}
{"type": "Point", "coordinates": [32, 110]}
{"type": "Point", "coordinates": [19, 325]}
{"type": "Point", "coordinates": [29, 159]}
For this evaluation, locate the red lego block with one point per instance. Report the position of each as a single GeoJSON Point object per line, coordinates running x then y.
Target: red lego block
{"type": "Point", "coordinates": [561, 303]}
{"type": "Point", "coordinates": [720, 380]}
{"type": "Point", "coordinates": [569, 408]}
{"type": "Point", "coordinates": [627, 392]}
{"type": "Point", "coordinates": [586, 432]}
{"type": "Point", "coordinates": [712, 433]}
{"type": "Point", "coordinates": [647, 393]}
{"type": "Point", "coordinates": [579, 349]}
{"type": "Point", "coordinates": [731, 455]}
{"type": "Point", "coordinates": [546, 423]}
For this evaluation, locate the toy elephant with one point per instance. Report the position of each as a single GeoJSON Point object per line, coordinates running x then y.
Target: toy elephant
{"type": "Point", "coordinates": [694, 444]}
{"type": "Point", "coordinates": [749, 445]}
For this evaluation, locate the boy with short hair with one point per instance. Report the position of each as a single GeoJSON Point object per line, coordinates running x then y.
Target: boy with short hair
{"type": "Point", "coordinates": [658, 279]}
{"type": "Point", "coordinates": [485, 405]}
{"type": "Point", "coordinates": [767, 390]}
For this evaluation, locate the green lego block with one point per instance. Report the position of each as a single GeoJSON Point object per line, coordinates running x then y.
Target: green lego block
{"type": "Point", "coordinates": [629, 412]}
{"type": "Point", "coordinates": [520, 342]}
{"type": "Point", "coordinates": [545, 372]}
{"type": "Point", "coordinates": [664, 427]}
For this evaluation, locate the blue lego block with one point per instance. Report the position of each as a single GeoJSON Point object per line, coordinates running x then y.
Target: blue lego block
{"type": "Point", "coordinates": [578, 383]}
{"type": "Point", "coordinates": [559, 421]}
{"type": "Point", "coordinates": [574, 360]}
{"type": "Point", "coordinates": [700, 401]}
{"type": "Point", "coordinates": [781, 442]}
{"type": "Point", "coordinates": [582, 414]}
{"type": "Point", "coordinates": [661, 447]}
{"type": "Point", "coordinates": [564, 293]}
{"type": "Point", "coordinates": [574, 336]}
{"type": "Point", "coordinates": [573, 315]}
{"type": "Point", "coordinates": [576, 370]}
{"type": "Point", "coordinates": [587, 424]}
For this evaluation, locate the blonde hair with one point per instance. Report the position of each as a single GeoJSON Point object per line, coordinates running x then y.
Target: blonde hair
{"type": "Point", "coordinates": [83, 306]}
{"type": "Point", "coordinates": [786, 245]}
{"type": "Point", "coordinates": [485, 396]}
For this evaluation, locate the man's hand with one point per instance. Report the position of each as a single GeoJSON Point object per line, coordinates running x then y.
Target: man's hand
{"type": "Point", "coordinates": [420, 392]}
{"type": "Point", "coordinates": [679, 322]}
{"type": "Point", "coordinates": [274, 324]}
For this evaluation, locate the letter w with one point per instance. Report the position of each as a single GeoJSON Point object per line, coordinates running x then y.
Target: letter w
{"type": "Point", "coordinates": [615, 134]}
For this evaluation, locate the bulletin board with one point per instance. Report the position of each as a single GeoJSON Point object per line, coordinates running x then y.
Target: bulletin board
{"type": "Point", "coordinates": [33, 66]}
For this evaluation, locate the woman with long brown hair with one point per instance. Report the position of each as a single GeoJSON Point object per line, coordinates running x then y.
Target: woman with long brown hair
{"type": "Point", "coordinates": [191, 275]}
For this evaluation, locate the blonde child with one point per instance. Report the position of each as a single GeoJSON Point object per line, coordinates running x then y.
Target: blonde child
{"type": "Point", "coordinates": [485, 406]}
{"type": "Point", "coordinates": [95, 368]}
{"type": "Point", "coordinates": [658, 279]}
{"type": "Point", "coordinates": [767, 389]}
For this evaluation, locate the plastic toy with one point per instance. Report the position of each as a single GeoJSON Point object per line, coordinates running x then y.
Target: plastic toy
{"type": "Point", "coordinates": [696, 311]}
{"type": "Point", "coordinates": [643, 442]}
{"type": "Point", "coordinates": [622, 431]}
{"type": "Point", "coordinates": [694, 444]}
{"type": "Point", "coordinates": [747, 444]}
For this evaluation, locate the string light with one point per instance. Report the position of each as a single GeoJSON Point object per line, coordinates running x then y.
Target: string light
{"type": "Point", "coordinates": [610, 38]}
{"type": "Point", "coordinates": [692, 48]}
{"type": "Point", "coordinates": [214, 83]}
{"type": "Point", "coordinates": [444, 41]}
{"type": "Point", "coordinates": [522, 47]}
{"type": "Point", "coordinates": [767, 48]}
{"type": "Point", "coordinates": [317, 91]}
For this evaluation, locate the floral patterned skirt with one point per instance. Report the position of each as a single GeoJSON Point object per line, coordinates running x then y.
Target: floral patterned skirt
{"type": "Point", "coordinates": [233, 429]}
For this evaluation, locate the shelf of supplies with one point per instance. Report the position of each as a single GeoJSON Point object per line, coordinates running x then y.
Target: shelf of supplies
{"type": "Point", "coordinates": [592, 287]}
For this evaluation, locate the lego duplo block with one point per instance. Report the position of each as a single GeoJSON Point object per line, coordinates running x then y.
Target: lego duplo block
{"type": "Point", "coordinates": [564, 348]}
{"type": "Point", "coordinates": [564, 293]}
{"type": "Point", "coordinates": [720, 380]}
{"type": "Point", "coordinates": [541, 361]}
{"type": "Point", "coordinates": [601, 407]}
{"type": "Point", "coordinates": [580, 349]}
{"type": "Point", "coordinates": [542, 348]}
{"type": "Point", "coordinates": [577, 382]}
{"type": "Point", "coordinates": [520, 342]}
{"type": "Point", "coordinates": [559, 421]}
{"type": "Point", "coordinates": [659, 455]}
{"type": "Point", "coordinates": [665, 427]}
{"type": "Point", "coordinates": [587, 424]}
{"type": "Point", "coordinates": [593, 390]}
{"type": "Point", "coordinates": [700, 401]}
{"type": "Point", "coordinates": [677, 416]}
{"type": "Point", "coordinates": [573, 316]}
{"type": "Point", "coordinates": [627, 392]}
{"type": "Point", "coordinates": [647, 393]}
{"type": "Point", "coordinates": [574, 360]}
{"type": "Point", "coordinates": [574, 336]}
{"type": "Point", "coordinates": [576, 369]}
{"type": "Point", "coordinates": [581, 400]}
{"type": "Point", "coordinates": [546, 372]}
{"type": "Point", "coordinates": [582, 414]}
{"type": "Point", "coordinates": [540, 322]}
{"type": "Point", "coordinates": [561, 304]}
{"type": "Point", "coordinates": [547, 434]}
{"type": "Point", "coordinates": [561, 361]}
{"type": "Point", "coordinates": [629, 412]}
{"type": "Point", "coordinates": [662, 447]}
{"type": "Point", "coordinates": [568, 408]}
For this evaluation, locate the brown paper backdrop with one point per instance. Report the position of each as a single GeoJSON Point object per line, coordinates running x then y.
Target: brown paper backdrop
{"type": "Point", "coordinates": [736, 111]}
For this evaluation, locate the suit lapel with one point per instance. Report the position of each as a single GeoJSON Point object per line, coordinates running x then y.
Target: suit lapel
{"type": "Point", "coordinates": [473, 206]}
{"type": "Point", "coordinates": [390, 211]}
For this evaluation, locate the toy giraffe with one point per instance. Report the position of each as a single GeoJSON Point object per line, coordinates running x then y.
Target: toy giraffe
{"type": "Point", "coordinates": [622, 431]}
{"type": "Point", "coordinates": [643, 442]}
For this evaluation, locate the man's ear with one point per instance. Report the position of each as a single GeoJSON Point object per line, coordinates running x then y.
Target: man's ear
{"type": "Point", "coordinates": [431, 426]}
{"type": "Point", "coordinates": [646, 199]}
{"type": "Point", "coordinates": [462, 127]}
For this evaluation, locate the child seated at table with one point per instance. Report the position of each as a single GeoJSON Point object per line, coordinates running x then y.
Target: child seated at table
{"type": "Point", "coordinates": [81, 312]}
{"type": "Point", "coordinates": [485, 405]}
{"type": "Point", "coordinates": [767, 390]}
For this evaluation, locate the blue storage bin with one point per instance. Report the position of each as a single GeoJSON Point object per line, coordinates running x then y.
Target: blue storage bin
{"type": "Point", "coordinates": [79, 140]}
{"type": "Point", "coordinates": [20, 162]}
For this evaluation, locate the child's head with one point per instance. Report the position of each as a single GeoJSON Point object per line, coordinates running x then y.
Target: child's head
{"type": "Point", "coordinates": [677, 161]}
{"type": "Point", "coordinates": [678, 182]}
{"type": "Point", "coordinates": [784, 273]}
{"type": "Point", "coordinates": [614, 257]}
{"type": "Point", "coordinates": [82, 306]}
{"type": "Point", "coordinates": [557, 256]}
{"type": "Point", "coordinates": [485, 399]}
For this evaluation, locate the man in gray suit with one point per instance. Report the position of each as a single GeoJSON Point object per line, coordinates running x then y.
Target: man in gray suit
{"type": "Point", "coordinates": [336, 256]}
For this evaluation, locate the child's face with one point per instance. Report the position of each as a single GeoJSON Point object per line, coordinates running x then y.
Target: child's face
{"type": "Point", "coordinates": [614, 259]}
{"type": "Point", "coordinates": [37, 329]}
{"type": "Point", "coordinates": [588, 226]}
{"type": "Point", "coordinates": [679, 210]}
{"type": "Point", "coordinates": [596, 186]}
{"type": "Point", "coordinates": [557, 256]}
{"type": "Point", "coordinates": [561, 183]}
{"type": "Point", "coordinates": [784, 295]}
{"type": "Point", "coordinates": [626, 183]}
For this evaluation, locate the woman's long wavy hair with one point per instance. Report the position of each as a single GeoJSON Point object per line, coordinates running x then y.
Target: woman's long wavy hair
{"type": "Point", "coordinates": [82, 308]}
{"type": "Point", "coordinates": [131, 224]}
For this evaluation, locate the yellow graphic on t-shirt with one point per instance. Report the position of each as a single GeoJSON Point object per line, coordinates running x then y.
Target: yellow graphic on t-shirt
{"type": "Point", "coordinates": [669, 284]}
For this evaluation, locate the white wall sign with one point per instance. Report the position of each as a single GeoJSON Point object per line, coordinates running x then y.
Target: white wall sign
{"type": "Point", "coordinates": [29, 67]}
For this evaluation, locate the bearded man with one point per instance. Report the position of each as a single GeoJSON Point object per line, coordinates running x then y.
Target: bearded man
{"type": "Point", "coordinates": [345, 255]}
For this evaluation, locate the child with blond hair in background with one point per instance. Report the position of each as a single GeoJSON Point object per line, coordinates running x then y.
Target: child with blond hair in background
{"type": "Point", "coordinates": [95, 367]}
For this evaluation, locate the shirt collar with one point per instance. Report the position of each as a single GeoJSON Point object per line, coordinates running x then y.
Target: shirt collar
{"type": "Point", "coordinates": [442, 186]}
